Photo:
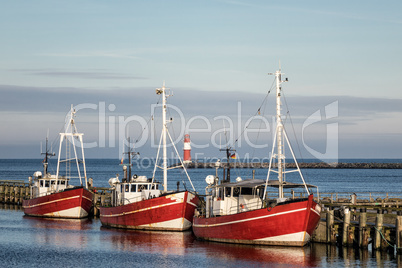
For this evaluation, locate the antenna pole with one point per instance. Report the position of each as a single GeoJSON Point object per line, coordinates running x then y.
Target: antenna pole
{"type": "Point", "coordinates": [129, 159]}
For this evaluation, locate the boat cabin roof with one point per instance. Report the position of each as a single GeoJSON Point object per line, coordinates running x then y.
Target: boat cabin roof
{"type": "Point", "coordinates": [52, 178]}
{"type": "Point", "coordinates": [257, 182]}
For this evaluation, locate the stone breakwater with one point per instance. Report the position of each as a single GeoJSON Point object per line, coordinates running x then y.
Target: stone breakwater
{"type": "Point", "coordinates": [301, 165]}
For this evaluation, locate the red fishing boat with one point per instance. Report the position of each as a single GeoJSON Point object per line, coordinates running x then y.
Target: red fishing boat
{"type": "Point", "coordinates": [244, 211]}
{"type": "Point", "coordinates": [139, 202]}
{"type": "Point", "coordinates": [51, 195]}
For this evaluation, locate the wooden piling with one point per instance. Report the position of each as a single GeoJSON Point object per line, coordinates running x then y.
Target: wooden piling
{"type": "Point", "coordinates": [363, 238]}
{"type": "Point", "coordinates": [320, 233]}
{"type": "Point", "coordinates": [379, 220]}
{"type": "Point", "coordinates": [16, 194]}
{"type": "Point", "coordinates": [351, 235]}
{"type": "Point", "coordinates": [22, 194]}
{"type": "Point", "coordinates": [331, 235]}
{"type": "Point", "coordinates": [398, 231]}
{"type": "Point", "coordinates": [6, 193]}
{"type": "Point", "coordinates": [346, 223]}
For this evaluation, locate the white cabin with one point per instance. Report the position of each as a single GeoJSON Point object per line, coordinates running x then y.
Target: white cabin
{"type": "Point", "coordinates": [244, 195]}
{"type": "Point", "coordinates": [232, 198]}
{"type": "Point", "coordinates": [137, 189]}
{"type": "Point", "coordinates": [47, 184]}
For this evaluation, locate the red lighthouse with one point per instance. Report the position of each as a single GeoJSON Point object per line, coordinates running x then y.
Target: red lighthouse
{"type": "Point", "coordinates": [187, 149]}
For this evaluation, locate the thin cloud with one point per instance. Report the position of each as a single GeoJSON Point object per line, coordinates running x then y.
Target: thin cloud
{"type": "Point", "coordinates": [97, 54]}
{"type": "Point", "coordinates": [194, 102]}
{"type": "Point", "coordinates": [92, 74]}
{"type": "Point", "coordinates": [87, 75]}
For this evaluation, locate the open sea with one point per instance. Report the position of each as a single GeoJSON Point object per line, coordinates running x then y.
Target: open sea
{"type": "Point", "coordinates": [36, 242]}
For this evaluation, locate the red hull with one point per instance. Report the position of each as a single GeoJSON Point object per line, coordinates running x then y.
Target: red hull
{"type": "Point", "coordinates": [71, 203]}
{"type": "Point", "coordinates": [289, 224]}
{"type": "Point", "coordinates": [172, 212]}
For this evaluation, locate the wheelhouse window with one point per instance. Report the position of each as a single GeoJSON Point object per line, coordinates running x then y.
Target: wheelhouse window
{"type": "Point", "coordinates": [133, 188]}
{"type": "Point", "coordinates": [47, 183]}
{"type": "Point", "coordinates": [220, 193]}
{"type": "Point", "coordinates": [228, 191]}
{"type": "Point", "coordinates": [41, 183]}
{"type": "Point", "coordinates": [127, 188]}
{"type": "Point", "coordinates": [236, 191]}
{"type": "Point", "coordinates": [142, 187]}
{"type": "Point", "coordinates": [260, 192]}
{"type": "Point", "coordinates": [246, 191]}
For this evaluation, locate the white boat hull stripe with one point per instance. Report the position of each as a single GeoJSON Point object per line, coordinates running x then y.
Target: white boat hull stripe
{"type": "Point", "coordinates": [57, 200]}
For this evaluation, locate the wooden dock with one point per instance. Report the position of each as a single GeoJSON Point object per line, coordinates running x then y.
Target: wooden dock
{"type": "Point", "coordinates": [13, 191]}
{"type": "Point", "coordinates": [360, 222]}
{"type": "Point", "coordinates": [102, 197]}
{"type": "Point", "coordinates": [347, 220]}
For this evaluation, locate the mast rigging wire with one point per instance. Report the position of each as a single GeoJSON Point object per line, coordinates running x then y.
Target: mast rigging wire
{"type": "Point", "coordinates": [256, 113]}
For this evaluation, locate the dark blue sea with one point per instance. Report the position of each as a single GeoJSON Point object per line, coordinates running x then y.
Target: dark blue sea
{"type": "Point", "coordinates": [34, 242]}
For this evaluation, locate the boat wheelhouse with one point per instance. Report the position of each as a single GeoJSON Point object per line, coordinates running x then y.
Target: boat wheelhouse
{"type": "Point", "coordinates": [46, 185]}
{"type": "Point", "coordinates": [137, 189]}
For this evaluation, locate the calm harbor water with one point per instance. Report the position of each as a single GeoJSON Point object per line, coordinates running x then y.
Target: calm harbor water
{"type": "Point", "coordinates": [35, 242]}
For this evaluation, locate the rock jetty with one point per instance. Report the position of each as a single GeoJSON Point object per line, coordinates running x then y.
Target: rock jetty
{"type": "Point", "coordinates": [301, 165]}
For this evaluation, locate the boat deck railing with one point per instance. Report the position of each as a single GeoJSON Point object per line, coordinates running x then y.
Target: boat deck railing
{"type": "Point", "coordinates": [242, 206]}
{"type": "Point", "coordinates": [132, 200]}
{"type": "Point", "coordinates": [136, 199]}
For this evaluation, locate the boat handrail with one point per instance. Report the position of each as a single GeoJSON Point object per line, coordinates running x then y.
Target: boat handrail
{"type": "Point", "coordinates": [42, 194]}
{"type": "Point", "coordinates": [291, 195]}
{"type": "Point", "coordinates": [257, 204]}
{"type": "Point", "coordinates": [137, 198]}
{"type": "Point", "coordinates": [133, 199]}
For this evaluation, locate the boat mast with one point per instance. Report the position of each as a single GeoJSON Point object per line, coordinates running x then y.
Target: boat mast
{"type": "Point", "coordinates": [129, 159]}
{"type": "Point", "coordinates": [130, 154]}
{"type": "Point", "coordinates": [47, 155]}
{"type": "Point", "coordinates": [164, 133]}
{"type": "Point", "coordinates": [164, 136]}
{"type": "Point", "coordinates": [72, 134]}
{"type": "Point", "coordinates": [279, 131]}
{"type": "Point", "coordinates": [279, 140]}
{"type": "Point", "coordinates": [228, 156]}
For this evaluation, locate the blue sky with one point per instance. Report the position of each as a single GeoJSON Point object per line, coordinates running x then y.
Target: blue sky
{"type": "Point", "coordinates": [212, 54]}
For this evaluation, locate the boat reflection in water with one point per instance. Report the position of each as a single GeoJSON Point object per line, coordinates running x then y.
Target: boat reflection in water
{"type": "Point", "coordinates": [181, 243]}
{"type": "Point", "coordinates": [60, 232]}
{"type": "Point", "coordinates": [160, 242]}
{"type": "Point", "coordinates": [272, 255]}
